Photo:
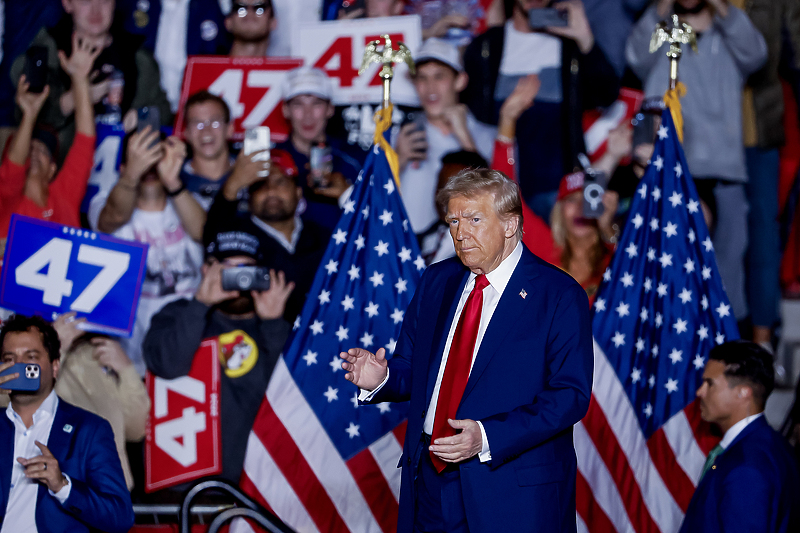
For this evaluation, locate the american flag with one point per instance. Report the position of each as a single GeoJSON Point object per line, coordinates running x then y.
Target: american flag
{"type": "Point", "coordinates": [315, 457]}
{"type": "Point", "coordinates": [659, 311]}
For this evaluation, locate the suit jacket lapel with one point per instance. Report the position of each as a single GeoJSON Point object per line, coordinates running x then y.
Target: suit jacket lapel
{"type": "Point", "coordinates": [452, 293]}
{"type": "Point", "coordinates": [57, 442]}
{"type": "Point", "coordinates": [507, 314]}
{"type": "Point", "coordinates": [63, 431]}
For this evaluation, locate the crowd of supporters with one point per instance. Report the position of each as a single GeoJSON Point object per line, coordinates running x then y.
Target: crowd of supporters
{"type": "Point", "coordinates": [494, 91]}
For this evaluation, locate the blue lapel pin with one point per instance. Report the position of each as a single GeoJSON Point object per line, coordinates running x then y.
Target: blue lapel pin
{"type": "Point", "coordinates": [67, 428]}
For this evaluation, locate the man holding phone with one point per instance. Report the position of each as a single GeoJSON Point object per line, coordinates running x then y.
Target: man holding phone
{"type": "Point", "coordinates": [247, 324]}
{"type": "Point", "coordinates": [554, 41]}
{"type": "Point", "coordinates": [288, 240]}
{"type": "Point", "coordinates": [443, 126]}
{"type": "Point", "coordinates": [60, 461]}
{"type": "Point", "coordinates": [326, 165]}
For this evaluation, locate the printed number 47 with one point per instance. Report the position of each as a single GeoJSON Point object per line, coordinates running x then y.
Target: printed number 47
{"type": "Point", "coordinates": [55, 256]}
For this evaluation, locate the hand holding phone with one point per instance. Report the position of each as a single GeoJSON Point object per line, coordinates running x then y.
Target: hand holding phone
{"type": "Point", "coordinates": [36, 68]}
{"type": "Point", "coordinates": [257, 141]}
{"type": "Point", "coordinates": [540, 18]}
{"type": "Point", "coordinates": [321, 165]}
{"type": "Point", "coordinates": [20, 377]}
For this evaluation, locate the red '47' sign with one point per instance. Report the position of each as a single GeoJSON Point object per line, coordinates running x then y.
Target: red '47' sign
{"type": "Point", "coordinates": [337, 47]}
{"type": "Point", "coordinates": [251, 86]}
{"type": "Point", "coordinates": [183, 433]}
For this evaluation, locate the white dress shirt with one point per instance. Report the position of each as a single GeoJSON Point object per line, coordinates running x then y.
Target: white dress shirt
{"type": "Point", "coordinates": [20, 516]}
{"type": "Point", "coordinates": [737, 428]}
{"type": "Point", "coordinates": [498, 279]}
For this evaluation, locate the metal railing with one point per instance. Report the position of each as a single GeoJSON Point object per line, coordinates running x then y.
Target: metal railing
{"type": "Point", "coordinates": [243, 506]}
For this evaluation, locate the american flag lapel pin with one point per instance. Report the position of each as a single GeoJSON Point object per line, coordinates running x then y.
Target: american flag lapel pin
{"type": "Point", "coordinates": [523, 293]}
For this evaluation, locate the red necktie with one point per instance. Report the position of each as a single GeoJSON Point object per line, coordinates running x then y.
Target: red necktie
{"type": "Point", "coordinates": [459, 361]}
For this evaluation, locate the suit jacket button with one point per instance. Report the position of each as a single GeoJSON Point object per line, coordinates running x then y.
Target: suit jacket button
{"type": "Point", "coordinates": [423, 414]}
{"type": "Point", "coordinates": [408, 461]}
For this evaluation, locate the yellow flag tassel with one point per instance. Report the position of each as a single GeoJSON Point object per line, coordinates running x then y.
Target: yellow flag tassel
{"type": "Point", "coordinates": [672, 99]}
{"type": "Point", "coordinates": [383, 121]}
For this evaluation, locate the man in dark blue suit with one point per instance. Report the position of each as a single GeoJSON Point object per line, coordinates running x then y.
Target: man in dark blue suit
{"type": "Point", "coordinates": [59, 467]}
{"type": "Point", "coordinates": [495, 355]}
{"type": "Point", "coordinates": [750, 481]}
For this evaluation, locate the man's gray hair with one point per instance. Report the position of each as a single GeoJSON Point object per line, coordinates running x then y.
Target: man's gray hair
{"type": "Point", "coordinates": [472, 182]}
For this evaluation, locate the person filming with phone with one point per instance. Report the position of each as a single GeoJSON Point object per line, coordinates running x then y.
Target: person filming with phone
{"type": "Point", "coordinates": [289, 241]}
{"type": "Point", "coordinates": [150, 204]}
{"type": "Point", "coordinates": [554, 41]}
{"type": "Point", "coordinates": [59, 461]}
{"type": "Point", "coordinates": [31, 182]}
{"type": "Point", "coordinates": [240, 306]}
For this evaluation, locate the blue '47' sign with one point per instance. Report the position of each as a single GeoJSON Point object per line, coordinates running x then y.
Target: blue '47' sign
{"type": "Point", "coordinates": [49, 269]}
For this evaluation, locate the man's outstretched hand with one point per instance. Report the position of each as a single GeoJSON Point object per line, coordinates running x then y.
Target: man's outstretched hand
{"type": "Point", "coordinates": [365, 369]}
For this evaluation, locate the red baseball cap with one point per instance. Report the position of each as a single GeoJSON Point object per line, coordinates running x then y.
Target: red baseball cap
{"type": "Point", "coordinates": [570, 183]}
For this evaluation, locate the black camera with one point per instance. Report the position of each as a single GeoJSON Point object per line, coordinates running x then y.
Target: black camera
{"type": "Point", "coordinates": [245, 278]}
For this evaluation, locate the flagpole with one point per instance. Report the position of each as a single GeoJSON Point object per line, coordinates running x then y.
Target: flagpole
{"type": "Point", "coordinates": [675, 34]}
{"type": "Point", "coordinates": [386, 57]}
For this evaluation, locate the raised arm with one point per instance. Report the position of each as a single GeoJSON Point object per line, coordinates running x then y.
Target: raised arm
{"type": "Point", "coordinates": [742, 38]}
{"type": "Point", "coordinates": [142, 153]}
{"type": "Point", "coordinates": [30, 104]}
{"type": "Point", "coordinates": [192, 215]}
{"type": "Point", "coordinates": [79, 67]}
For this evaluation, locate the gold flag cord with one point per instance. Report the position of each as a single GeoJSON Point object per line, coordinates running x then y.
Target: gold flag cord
{"type": "Point", "coordinates": [672, 100]}
{"type": "Point", "coordinates": [383, 122]}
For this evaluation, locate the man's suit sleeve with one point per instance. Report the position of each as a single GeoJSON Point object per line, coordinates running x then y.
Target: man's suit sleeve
{"type": "Point", "coordinates": [747, 501]}
{"type": "Point", "coordinates": [565, 398]}
{"type": "Point", "coordinates": [101, 500]}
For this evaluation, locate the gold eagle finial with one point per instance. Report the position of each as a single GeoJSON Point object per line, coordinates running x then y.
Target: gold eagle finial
{"type": "Point", "coordinates": [675, 34]}
{"type": "Point", "coordinates": [387, 57]}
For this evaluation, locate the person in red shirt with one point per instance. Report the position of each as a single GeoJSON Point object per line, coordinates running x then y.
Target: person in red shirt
{"type": "Point", "coordinates": [30, 183]}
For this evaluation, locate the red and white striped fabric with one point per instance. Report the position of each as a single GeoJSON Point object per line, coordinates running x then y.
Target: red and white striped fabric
{"type": "Point", "coordinates": [626, 483]}
{"type": "Point", "coordinates": [293, 469]}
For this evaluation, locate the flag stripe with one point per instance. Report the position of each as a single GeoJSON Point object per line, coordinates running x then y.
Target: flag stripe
{"type": "Point", "coordinates": [315, 446]}
{"type": "Point", "coordinates": [680, 435]}
{"type": "Point", "coordinates": [298, 473]}
{"type": "Point", "coordinates": [588, 507]}
{"type": "Point", "coordinates": [706, 440]}
{"type": "Point", "coordinates": [618, 412]}
{"type": "Point", "coordinates": [262, 473]}
{"type": "Point", "coordinates": [375, 489]}
{"type": "Point", "coordinates": [386, 452]}
{"type": "Point", "coordinates": [676, 480]}
{"type": "Point", "coordinates": [593, 469]}
{"type": "Point", "coordinates": [612, 454]}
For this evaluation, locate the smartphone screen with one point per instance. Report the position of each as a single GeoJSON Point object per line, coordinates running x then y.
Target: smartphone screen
{"type": "Point", "coordinates": [36, 68]}
{"type": "Point", "coordinates": [543, 17]}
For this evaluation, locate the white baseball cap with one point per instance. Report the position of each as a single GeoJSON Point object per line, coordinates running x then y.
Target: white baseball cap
{"type": "Point", "coordinates": [435, 49]}
{"type": "Point", "coordinates": [307, 80]}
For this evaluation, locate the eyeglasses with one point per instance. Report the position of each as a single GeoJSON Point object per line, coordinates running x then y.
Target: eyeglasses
{"type": "Point", "coordinates": [241, 9]}
{"type": "Point", "coordinates": [200, 126]}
